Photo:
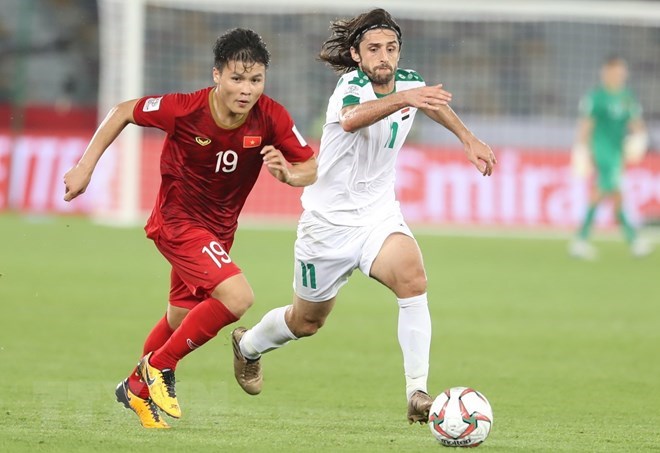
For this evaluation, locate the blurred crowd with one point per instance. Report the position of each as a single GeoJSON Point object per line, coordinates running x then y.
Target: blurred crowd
{"type": "Point", "coordinates": [49, 52]}
{"type": "Point", "coordinates": [503, 73]}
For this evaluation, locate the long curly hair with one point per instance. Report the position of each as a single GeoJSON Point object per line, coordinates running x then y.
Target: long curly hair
{"type": "Point", "coordinates": [347, 33]}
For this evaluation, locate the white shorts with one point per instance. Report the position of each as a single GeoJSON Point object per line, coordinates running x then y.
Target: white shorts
{"type": "Point", "coordinates": [326, 254]}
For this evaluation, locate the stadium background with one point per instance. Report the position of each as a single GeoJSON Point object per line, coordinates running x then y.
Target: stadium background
{"type": "Point", "coordinates": [516, 69]}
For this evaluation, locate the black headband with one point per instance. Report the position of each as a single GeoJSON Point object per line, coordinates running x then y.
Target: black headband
{"type": "Point", "coordinates": [360, 33]}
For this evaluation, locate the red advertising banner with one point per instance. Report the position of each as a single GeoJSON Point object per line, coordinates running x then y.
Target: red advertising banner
{"type": "Point", "coordinates": [529, 188]}
{"type": "Point", "coordinates": [31, 171]}
{"type": "Point", "coordinates": [5, 149]}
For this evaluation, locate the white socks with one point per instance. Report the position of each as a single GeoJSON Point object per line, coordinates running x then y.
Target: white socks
{"type": "Point", "coordinates": [268, 334]}
{"type": "Point", "coordinates": [415, 340]}
{"type": "Point", "coordinates": [414, 334]}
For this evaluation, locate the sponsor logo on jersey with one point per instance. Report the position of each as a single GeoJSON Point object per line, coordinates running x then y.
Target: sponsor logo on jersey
{"type": "Point", "coordinates": [152, 104]}
{"type": "Point", "coordinates": [251, 141]}
{"type": "Point", "coordinates": [352, 89]}
{"type": "Point", "coordinates": [405, 113]}
{"type": "Point", "coordinates": [202, 141]}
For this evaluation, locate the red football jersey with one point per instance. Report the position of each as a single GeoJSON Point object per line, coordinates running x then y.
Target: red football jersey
{"type": "Point", "coordinates": [207, 172]}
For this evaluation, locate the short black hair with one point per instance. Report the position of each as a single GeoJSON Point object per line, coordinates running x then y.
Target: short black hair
{"type": "Point", "coordinates": [240, 44]}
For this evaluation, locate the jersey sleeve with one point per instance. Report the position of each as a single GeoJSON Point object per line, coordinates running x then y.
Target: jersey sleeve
{"type": "Point", "coordinates": [287, 139]}
{"type": "Point", "coordinates": [409, 75]}
{"type": "Point", "coordinates": [345, 94]}
{"type": "Point", "coordinates": [349, 88]}
{"type": "Point", "coordinates": [160, 111]}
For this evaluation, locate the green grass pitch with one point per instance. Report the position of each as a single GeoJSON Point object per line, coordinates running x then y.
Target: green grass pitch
{"type": "Point", "coordinates": [566, 351]}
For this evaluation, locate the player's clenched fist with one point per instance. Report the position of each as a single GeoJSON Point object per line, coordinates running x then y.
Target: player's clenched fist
{"type": "Point", "coordinates": [76, 181]}
{"type": "Point", "coordinates": [276, 163]}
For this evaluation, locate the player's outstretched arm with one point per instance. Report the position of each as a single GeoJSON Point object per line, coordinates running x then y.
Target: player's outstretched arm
{"type": "Point", "coordinates": [354, 117]}
{"type": "Point", "coordinates": [77, 178]}
{"type": "Point", "coordinates": [581, 158]}
{"type": "Point", "coordinates": [297, 175]}
{"type": "Point", "coordinates": [476, 151]}
{"type": "Point", "coordinates": [585, 127]}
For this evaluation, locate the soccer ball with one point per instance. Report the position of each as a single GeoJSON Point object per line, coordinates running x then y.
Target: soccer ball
{"type": "Point", "coordinates": [460, 417]}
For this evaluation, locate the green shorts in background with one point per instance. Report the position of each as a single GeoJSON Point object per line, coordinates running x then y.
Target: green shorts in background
{"type": "Point", "coordinates": [609, 176]}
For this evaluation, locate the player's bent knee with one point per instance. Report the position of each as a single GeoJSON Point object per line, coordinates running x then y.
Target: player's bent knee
{"type": "Point", "coordinates": [239, 306]}
{"type": "Point", "coordinates": [414, 286]}
{"type": "Point", "coordinates": [175, 316]}
{"type": "Point", "coordinates": [237, 302]}
{"type": "Point", "coordinates": [306, 328]}
{"type": "Point", "coordinates": [235, 293]}
{"type": "Point", "coordinates": [419, 286]}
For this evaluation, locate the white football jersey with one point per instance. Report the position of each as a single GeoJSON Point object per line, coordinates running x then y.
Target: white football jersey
{"type": "Point", "coordinates": [356, 170]}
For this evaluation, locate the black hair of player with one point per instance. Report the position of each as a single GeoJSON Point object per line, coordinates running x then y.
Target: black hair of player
{"type": "Point", "coordinates": [240, 45]}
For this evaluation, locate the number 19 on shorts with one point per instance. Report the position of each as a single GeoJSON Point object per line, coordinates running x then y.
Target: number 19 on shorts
{"type": "Point", "coordinates": [308, 275]}
{"type": "Point", "coordinates": [217, 254]}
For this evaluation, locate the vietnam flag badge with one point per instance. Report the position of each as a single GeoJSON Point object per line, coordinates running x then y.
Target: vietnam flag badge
{"type": "Point", "coordinates": [251, 141]}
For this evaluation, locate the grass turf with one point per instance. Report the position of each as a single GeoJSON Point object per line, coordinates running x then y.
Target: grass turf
{"type": "Point", "coordinates": [566, 351]}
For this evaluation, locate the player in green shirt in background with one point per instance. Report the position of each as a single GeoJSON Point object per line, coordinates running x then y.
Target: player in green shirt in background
{"type": "Point", "coordinates": [608, 115]}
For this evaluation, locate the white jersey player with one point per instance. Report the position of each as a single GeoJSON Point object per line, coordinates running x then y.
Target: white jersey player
{"type": "Point", "coordinates": [351, 218]}
{"type": "Point", "coordinates": [355, 185]}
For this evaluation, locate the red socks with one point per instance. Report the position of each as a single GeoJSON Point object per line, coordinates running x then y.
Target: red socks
{"type": "Point", "coordinates": [157, 337]}
{"type": "Point", "coordinates": [200, 325]}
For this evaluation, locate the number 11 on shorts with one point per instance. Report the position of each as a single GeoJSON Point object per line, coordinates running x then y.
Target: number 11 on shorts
{"type": "Point", "coordinates": [308, 275]}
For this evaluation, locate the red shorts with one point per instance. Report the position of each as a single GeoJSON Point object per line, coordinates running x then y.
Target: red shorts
{"type": "Point", "coordinates": [199, 262]}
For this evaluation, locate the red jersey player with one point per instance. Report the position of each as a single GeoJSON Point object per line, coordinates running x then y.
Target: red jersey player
{"type": "Point", "coordinates": [217, 140]}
